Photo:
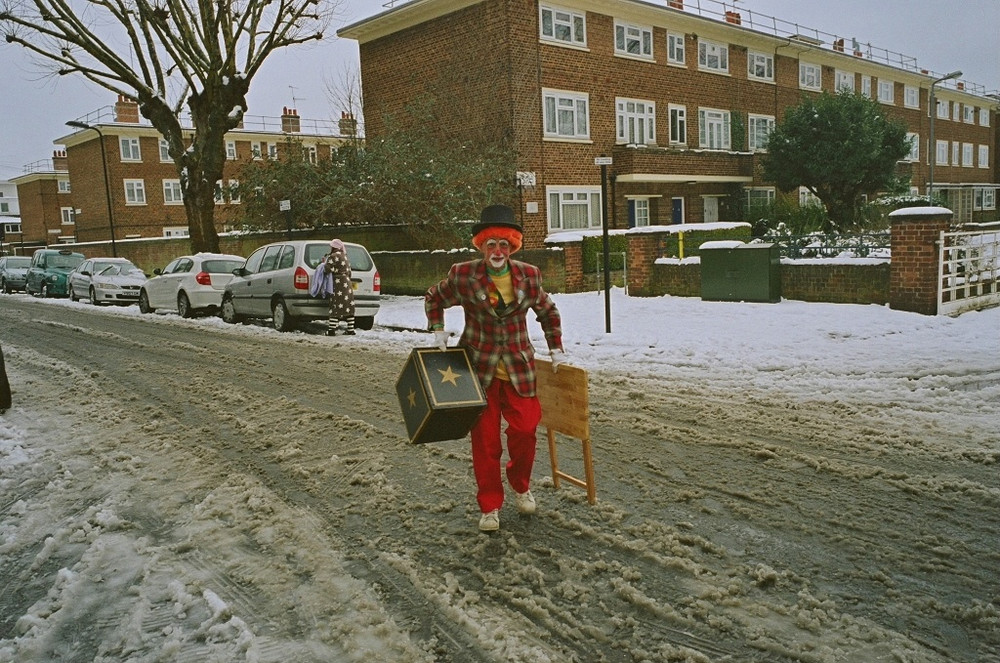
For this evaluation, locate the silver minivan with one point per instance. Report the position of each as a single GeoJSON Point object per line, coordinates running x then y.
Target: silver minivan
{"type": "Point", "coordinates": [274, 283]}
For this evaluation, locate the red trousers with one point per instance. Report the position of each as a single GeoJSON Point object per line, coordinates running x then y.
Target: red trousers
{"type": "Point", "coordinates": [522, 416]}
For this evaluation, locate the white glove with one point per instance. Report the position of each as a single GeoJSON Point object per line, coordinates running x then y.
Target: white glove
{"type": "Point", "coordinates": [558, 357]}
{"type": "Point", "coordinates": [441, 339]}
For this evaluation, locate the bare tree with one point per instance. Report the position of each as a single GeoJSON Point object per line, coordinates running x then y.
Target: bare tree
{"type": "Point", "coordinates": [201, 54]}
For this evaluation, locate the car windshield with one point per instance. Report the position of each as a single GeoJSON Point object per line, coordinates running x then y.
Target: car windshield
{"type": "Point", "coordinates": [221, 266]}
{"type": "Point", "coordinates": [117, 270]}
{"type": "Point", "coordinates": [61, 260]}
{"type": "Point", "coordinates": [18, 263]}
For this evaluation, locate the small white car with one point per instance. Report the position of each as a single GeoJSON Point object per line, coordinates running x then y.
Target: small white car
{"type": "Point", "coordinates": [189, 284]}
{"type": "Point", "coordinates": [105, 281]}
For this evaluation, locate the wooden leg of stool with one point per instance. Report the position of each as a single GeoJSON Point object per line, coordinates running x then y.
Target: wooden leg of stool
{"type": "Point", "coordinates": [588, 468]}
{"type": "Point", "coordinates": [552, 457]}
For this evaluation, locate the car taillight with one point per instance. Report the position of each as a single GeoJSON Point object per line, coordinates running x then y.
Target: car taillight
{"type": "Point", "coordinates": [301, 279]}
{"type": "Point", "coordinates": [203, 278]}
{"type": "Point", "coordinates": [377, 283]}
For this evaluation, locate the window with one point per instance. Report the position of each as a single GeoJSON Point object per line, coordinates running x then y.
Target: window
{"type": "Point", "coordinates": [942, 109]}
{"type": "Point", "coordinates": [760, 66]}
{"type": "Point", "coordinates": [941, 153]}
{"type": "Point", "coordinates": [309, 152]}
{"type": "Point", "coordinates": [164, 151]}
{"type": "Point", "coordinates": [956, 150]}
{"type": "Point", "coordinates": [130, 149]}
{"type": "Point", "coordinates": [970, 114]}
{"type": "Point", "coordinates": [231, 150]}
{"type": "Point", "coordinates": [956, 111]}
{"type": "Point", "coordinates": [989, 198]}
{"type": "Point", "coordinates": [563, 25]}
{"type": "Point", "coordinates": [176, 232]}
{"type": "Point", "coordinates": [984, 156]}
{"type": "Point", "coordinates": [844, 80]}
{"type": "Point", "coordinates": [272, 150]}
{"type": "Point", "coordinates": [636, 40]}
{"type": "Point", "coordinates": [135, 192]}
{"type": "Point", "coordinates": [675, 48]}
{"type": "Point", "coordinates": [565, 114]}
{"type": "Point", "coordinates": [758, 198]}
{"type": "Point", "coordinates": [914, 154]}
{"type": "Point", "coordinates": [640, 210]}
{"type": "Point", "coordinates": [713, 129]}
{"type": "Point", "coordinates": [886, 91]}
{"type": "Point", "coordinates": [257, 150]}
{"type": "Point", "coordinates": [678, 124]}
{"type": "Point", "coordinates": [967, 155]}
{"type": "Point", "coordinates": [636, 120]}
{"type": "Point", "coordinates": [64, 186]}
{"type": "Point", "coordinates": [759, 127]}
{"type": "Point", "coordinates": [713, 56]}
{"type": "Point", "coordinates": [984, 117]}
{"type": "Point", "coordinates": [172, 192]}
{"type": "Point", "coordinates": [574, 208]}
{"type": "Point", "coordinates": [66, 215]}
{"type": "Point", "coordinates": [234, 192]}
{"type": "Point", "coordinates": [911, 96]}
{"type": "Point", "coordinates": [808, 199]}
{"type": "Point", "coordinates": [810, 76]}
{"type": "Point", "coordinates": [866, 86]}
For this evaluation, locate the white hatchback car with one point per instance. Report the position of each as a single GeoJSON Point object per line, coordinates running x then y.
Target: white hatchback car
{"type": "Point", "coordinates": [189, 284]}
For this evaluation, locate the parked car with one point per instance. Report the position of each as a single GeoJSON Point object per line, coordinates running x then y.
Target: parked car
{"type": "Point", "coordinates": [274, 283]}
{"type": "Point", "coordinates": [13, 272]}
{"type": "Point", "coordinates": [189, 284]}
{"type": "Point", "coordinates": [105, 281]}
{"type": "Point", "coordinates": [46, 275]}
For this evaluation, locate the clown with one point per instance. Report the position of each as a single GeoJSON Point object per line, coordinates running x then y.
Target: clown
{"type": "Point", "coordinates": [496, 293]}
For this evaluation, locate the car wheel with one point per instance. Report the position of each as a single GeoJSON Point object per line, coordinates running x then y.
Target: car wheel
{"type": "Point", "coordinates": [366, 322]}
{"type": "Point", "coordinates": [93, 297]}
{"type": "Point", "coordinates": [4, 286]}
{"type": "Point", "coordinates": [72, 293]}
{"type": "Point", "coordinates": [184, 306]}
{"type": "Point", "coordinates": [282, 320]}
{"type": "Point", "coordinates": [228, 312]}
{"type": "Point", "coordinates": [144, 306]}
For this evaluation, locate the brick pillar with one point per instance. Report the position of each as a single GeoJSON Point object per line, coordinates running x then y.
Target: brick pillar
{"type": "Point", "coordinates": [913, 270]}
{"type": "Point", "coordinates": [643, 250]}
{"type": "Point", "coordinates": [573, 265]}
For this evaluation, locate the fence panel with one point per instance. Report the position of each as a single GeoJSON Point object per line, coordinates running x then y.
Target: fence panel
{"type": "Point", "coordinates": [968, 266]}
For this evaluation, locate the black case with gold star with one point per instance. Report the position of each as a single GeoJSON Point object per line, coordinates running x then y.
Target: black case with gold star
{"type": "Point", "coordinates": [440, 395]}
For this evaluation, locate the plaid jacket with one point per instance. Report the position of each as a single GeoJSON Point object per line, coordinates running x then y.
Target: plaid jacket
{"type": "Point", "coordinates": [492, 335]}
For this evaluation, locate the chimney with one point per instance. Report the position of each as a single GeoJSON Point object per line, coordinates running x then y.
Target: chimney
{"type": "Point", "coordinates": [348, 125]}
{"type": "Point", "coordinates": [676, 4]}
{"type": "Point", "coordinates": [733, 17]}
{"type": "Point", "coordinates": [126, 110]}
{"type": "Point", "coordinates": [838, 45]}
{"type": "Point", "coordinates": [290, 123]}
{"type": "Point", "coordinates": [59, 161]}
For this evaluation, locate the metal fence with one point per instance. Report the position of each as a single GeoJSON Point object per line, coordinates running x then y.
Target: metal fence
{"type": "Point", "coordinates": [816, 245]}
{"type": "Point", "coordinates": [968, 270]}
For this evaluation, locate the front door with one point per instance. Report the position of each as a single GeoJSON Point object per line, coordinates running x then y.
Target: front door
{"type": "Point", "coordinates": [677, 211]}
{"type": "Point", "coordinates": [711, 209]}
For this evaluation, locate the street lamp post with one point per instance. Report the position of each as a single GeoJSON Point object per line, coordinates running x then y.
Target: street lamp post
{"type": "Point", "coordinates": [932, 146]}
{"type": "Point", "coordinates": [107, 182]}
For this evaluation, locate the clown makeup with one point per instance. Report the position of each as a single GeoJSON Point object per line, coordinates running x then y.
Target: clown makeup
{"type": "Point", "coordinates": [496, 252]}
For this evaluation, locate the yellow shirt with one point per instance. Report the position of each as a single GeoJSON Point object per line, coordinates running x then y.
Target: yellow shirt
{"type": "Point", "coordinates": [504, 286]}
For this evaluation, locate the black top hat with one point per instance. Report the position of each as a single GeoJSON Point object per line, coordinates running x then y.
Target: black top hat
{"type": "Point", "coordinates": [496, 216]}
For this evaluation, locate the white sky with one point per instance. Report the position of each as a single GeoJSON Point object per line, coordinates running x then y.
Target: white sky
{"type": "Point", "coordinates": [943, 36]}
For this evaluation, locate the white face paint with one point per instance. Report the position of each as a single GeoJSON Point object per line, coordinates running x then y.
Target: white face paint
{"type": "Point", "coordinates": [496, 252]}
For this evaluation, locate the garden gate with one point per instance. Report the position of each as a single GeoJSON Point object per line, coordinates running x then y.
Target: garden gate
{"type": "Point", "coordinates": [968, 267]}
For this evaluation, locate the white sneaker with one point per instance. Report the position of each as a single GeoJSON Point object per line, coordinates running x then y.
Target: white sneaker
{"type": "Point", "coordinates": [490, 522]}
{"type": "Point", "coordinates": [525, 502]}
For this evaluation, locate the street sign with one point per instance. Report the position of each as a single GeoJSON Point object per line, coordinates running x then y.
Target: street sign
{"type": "Point", "coordinates": [284, 205]}
{"type": "Point", "coordinates": [602, 161]}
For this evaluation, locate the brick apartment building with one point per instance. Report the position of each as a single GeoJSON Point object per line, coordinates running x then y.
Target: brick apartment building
{"type": "Point", "coordinates": [67, 198]}
{"type": "Point", "coordinates": [680, 97]}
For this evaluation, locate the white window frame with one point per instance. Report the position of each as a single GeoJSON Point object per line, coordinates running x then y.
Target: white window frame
{"type": "Point", "coordinates": [984, 156]}
{"type": "Point", "coordinates": [234, 192]}
{"type": "Point", "coordinates": [628, 35]}
{"type": "Point", "coordinates": [272, 151]}
{"type": "Point", "coordinates": [172, 194]}
{"type": "Point", "coordinates": [587, 198]}
{"type": "Point", "coordinates": [676, 48]}
{"type": "Point", "coordinates": [757, 192]}
{"type": "Point", "coordinates": [914, 154]}
{"type": "Point", "coordinates": [886, 91]}
{"type": "Point", "coordinates": [257, 149]}
{"type": "Point", "coordinates": [941, 152]}
{"type": "Point", "coordinates": [64, 186]}
{"type": "Point", "coordinates": [714, 123]}
{"type": "Point", "coordinates": [942, 108]}
{"type": "Point", "coordinates": [562, 26]}
{"type": "Point", "coordinates": [809, 199]}
{"type": "Point", "coordinates": [760, 66]}
{"type": "Point", "coordinates": [843, 80]}
{"type": "Point", "coordinates": [984, 117]}
{"type": "Point", "coordinates": [956, 153]}
{"type": "Point", "coordinates": [231, 150]}
{"type": "Point", "coordinates": [759, 127]}
{"type": "Point", "coordinates": [989, 198]}
{"type": "Point", "coordinates": [635, 121]}
{"type": "Point", "coordinates": [911, 96]}
{"type": "Point", "coordinates": [970, 114]}
{"type": "Point", "coordinates": [866, 86]}
{"type": "Point", "coordinates": [129, 147]}
{"type": "Point", "coordinates": [713, 56]}
{"type": "Point", "coordinates": [967, 155]}
{"type": "Point", "coordinates": [678, 124]}
{"type": "Point", "coordinates": [165, 151]}
{"type": "Point", "coordinates": [956, 111]}
{"type": "Point", "coordinates": [641, 209]}
{"type": "Point", "coordinates": [810, 76]}
{"type": "Point", "coordinates": [135, 191]}
{"type": "Point", "coordinates": [555, 105]}
{"type": "Point", "coordinates": [67, 216]}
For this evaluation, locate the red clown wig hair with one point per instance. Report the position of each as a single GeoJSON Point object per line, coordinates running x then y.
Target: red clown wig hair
{"type": "Point", "coordinates": [512, 235]}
